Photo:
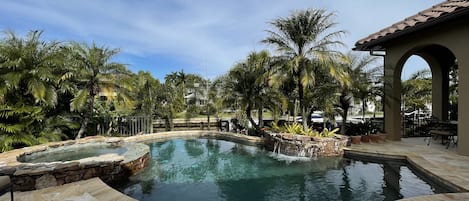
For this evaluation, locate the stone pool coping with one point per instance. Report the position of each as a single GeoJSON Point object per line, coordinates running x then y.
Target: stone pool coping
{"type": "Point", "coordinates": [109, 167]}
{"type": "Point", "coordinates": [440, 166]}
{"type": "Point", "coordinates": [250, 140]}
{"type": "Point", "coordinates": [90, 190]}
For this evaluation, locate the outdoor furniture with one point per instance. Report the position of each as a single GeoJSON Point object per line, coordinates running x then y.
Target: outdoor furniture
{"type": "Point", "coordinates": [5, 186]}
{"type": "Point", "coordinates": [445, 130]}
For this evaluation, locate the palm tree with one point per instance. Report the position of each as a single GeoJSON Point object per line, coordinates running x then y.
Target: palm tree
{"type": "Point", "coordinates": [247, 85]}
{"type": "Point", "coordinates": [95, 75]}
{"type": "Point", "coordinates": [305, 40]}
{"type": "Point", "coordinates": [147, 89]}
{"type": "Point", "coordinates": [417, 90]}
{"type": "Point", "coordinates": [364, 77]}
{"type": "Point", "coordinates": [261, 63]}
{"type": "Point", "coordinates": [29, 78]}
{"type": "Point", "coordinates": [177, 81]}
{"type": "Point", "coordinates": [363, 84]}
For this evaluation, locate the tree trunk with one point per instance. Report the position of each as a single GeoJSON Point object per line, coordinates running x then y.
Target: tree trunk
{"type": "Point", "coordinates": [344, 120]}
{"type": "Point", "coordinates": [302, 104]}
{"type": "Point", "coordinates": [82, 128]}
{"type": "Point", "coordinates": [363, 109]}
{"type": "Point", "coordinates": [308, 120]}
{"type": "Point", "coordinates": [260, 118]}
{"type": "Point", "coordinates": [248, 115]}
{"type": "Point", "coordinates": [88, 114]}
{"type": "Point", "coordinates": [108, 133]}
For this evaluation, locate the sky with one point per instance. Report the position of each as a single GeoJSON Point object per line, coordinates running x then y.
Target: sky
{"type": "Point", "coordinates": [205, 37]}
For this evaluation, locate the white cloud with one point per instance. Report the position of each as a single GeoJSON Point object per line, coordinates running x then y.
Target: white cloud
{"type": "Point", "coordinates": [213, 33]}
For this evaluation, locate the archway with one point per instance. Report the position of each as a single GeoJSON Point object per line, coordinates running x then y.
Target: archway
{"type": "Point", "coordinates": [416, 97]}
{"type": "Point", "coordinates": [439, 35]}
{"type": "Point", "coordinates": [441, 62]}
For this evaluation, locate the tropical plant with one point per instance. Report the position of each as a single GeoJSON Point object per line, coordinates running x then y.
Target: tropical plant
{"type": "Point", "coordinates": [146, 90]}
{"type": "Point", "coordinates": [29, 77]}
{"type": "Point", "coordinates": [95, 75]}
{"type": "Point", "coordinates": [417, 90]}
{"type": "Point", "coordinates": [247, 85]}
{"type": "Point", "coordinates": [328, 133]}
{"type": "Point", "coordinates": [453, 91]}
{"type": "Point", "coordinates": [178, 80]}
{"type": "Point", "coordinates": [364, 84]}
{"type": "Point", "coordinates": [305, 41]}
{"type": "Point", "coordinates": [365, 75]}
{"type": "Point", "coordinates": [360, 128]}
{"type": "Point", "coordinates": [294, 128]}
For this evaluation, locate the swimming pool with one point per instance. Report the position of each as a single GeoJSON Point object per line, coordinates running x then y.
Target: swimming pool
{"type": "Point", "coordinates": [210, 169]}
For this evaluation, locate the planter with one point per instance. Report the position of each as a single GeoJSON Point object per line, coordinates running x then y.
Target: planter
{"type": "Point", "coordinates": [356, 139]}
{"type": "Point", "coordinates": [382, 137]}
{"type": "Point", "coordinates": [375, 138]}
{"type": "Point", "coordinates": [366, 138]}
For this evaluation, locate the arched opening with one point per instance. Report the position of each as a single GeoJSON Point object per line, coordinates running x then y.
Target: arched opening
{"type": "Point", "coordinates": [416, 97]}
{"type": "Point", "coordinates": [428, 89]}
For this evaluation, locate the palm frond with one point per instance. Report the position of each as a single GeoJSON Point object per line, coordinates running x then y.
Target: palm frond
{"type": "Point", "coordinates": [79, 101]}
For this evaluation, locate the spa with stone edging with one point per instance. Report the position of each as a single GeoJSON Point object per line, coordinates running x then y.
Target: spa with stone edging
{"type": "Point", "coordinates": [108, 167]}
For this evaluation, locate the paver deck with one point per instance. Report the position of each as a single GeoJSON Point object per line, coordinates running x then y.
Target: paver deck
{"type": "Point", "coordinates": [439, 163]}
{"type": "Point", "coordinates": [90, 190]}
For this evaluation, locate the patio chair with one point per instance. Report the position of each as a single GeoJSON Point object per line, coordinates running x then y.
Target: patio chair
{"type": "Point", "coordinates": [446, 131]}
{"type": "Point", "coordinates": [6, 185]}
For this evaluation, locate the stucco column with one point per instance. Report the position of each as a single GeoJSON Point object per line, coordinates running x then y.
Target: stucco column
{"type": "Point", "coordinates": [440, 86]}
{"type": "Point", "coordinates": [463, 105]}
{"type": "Point", "coordinates": [392, 97]}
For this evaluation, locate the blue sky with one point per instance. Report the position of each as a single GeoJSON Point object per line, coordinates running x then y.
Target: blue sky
{"type": "Point", "coordinates": [205, 37]}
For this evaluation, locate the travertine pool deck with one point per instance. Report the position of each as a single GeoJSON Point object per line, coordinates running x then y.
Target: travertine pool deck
{"type": "Point", "coordinates": [440, 164]}
{"type": "Point", "coordinates": [90, 190]}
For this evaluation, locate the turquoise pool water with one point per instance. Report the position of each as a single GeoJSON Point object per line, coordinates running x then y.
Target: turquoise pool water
{"type": "Point", "coordinates": [209, 169]}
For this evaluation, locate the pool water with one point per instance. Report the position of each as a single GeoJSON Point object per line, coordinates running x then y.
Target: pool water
{"type": "Point", "coordinates": [72, 152]}
{"type": "Point", "coordinates": [209, 169]}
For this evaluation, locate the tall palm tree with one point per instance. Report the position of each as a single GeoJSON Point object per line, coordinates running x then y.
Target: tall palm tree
{"type": "Point", "coordinates": [147, 89]}
{"type": "Point", "coordinates": [95, 75]}
{"type": "Point", "coordinates": [247, 82]}
{"type": "Point", "coordinates": [305, 40]}
{"type": "Point", "coordinates": [364, 77]}
{"type": "Point", "coordinates": [363, 84]}
{"type": "Point", "coordinates": [261, 63]}
{"type": "Point", "coordinates": [177, 81]}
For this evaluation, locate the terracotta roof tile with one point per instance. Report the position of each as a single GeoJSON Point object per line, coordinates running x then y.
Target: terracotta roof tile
{"type": "Point", "coordinates": [445, 8]}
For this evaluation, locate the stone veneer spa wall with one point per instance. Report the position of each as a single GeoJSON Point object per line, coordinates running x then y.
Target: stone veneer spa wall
{"type": "Point", "coordinates": [108, 167]}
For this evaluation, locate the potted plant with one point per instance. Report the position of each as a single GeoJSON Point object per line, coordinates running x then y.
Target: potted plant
{"type": "Point", "coordinates": [356, 139]}
{"type": "Point", "coordinates": [354, 131]}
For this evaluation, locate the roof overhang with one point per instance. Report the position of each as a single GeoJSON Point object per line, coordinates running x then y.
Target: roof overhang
{"type": "Point", "coordinates": [437, 15]}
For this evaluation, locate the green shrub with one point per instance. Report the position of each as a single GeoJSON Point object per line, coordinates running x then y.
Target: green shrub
{"type": "Point", "coordinates": [297, 128]}
{"type": "Point", "coordinates": [327, 133]}
{"type": "Point", "coordinates": [294, 128]}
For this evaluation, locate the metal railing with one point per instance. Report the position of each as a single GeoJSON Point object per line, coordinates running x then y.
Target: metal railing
{"type": "Point", "coordinates": [126, 126]}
